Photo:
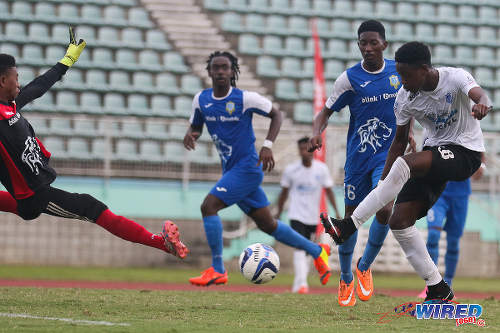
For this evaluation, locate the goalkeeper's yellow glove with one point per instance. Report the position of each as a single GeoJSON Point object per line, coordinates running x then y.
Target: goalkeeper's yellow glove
{"type": "Point", "coordinates": [74, 50]}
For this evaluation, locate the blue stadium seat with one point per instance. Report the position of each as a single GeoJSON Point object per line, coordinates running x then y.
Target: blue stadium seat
{"type": "Point", "coordinates": [60, 34]}
{"type": "Point", "coordinates": [237, 5]}
{"type": "Point", "coordinates": [120, 81]}
{"type": "Point", "coordinates": [161, 106]}
{"type": "Point", "coordinates": [174, 152]}
{"type": "Point", "coordinates": [445, 33]}
{"type": "Point", "coordinates": [60, 126]}
{"type": "Point", "coordinates": [342, 28]}
{"type": "Point", "coordinates": [200, 154]}
{"type": "Point", "coordinates": [174, 62]}
{"type": "Point", "coordinates": [90, 103]}
{"type": "Point", "coordinates": [446, 13]}
{"type": "Point", "coordinates": [336, 48]}
{"type": "Point", "coordinates": [340, 7]}
{"type": "Point", "coordinates": [333, 68]}
{"type": "Point", "coordinates": [232, 22]}
{"type": "Point", "coordinates": [96, 80]}
{"type": "Point", "coordinates": [22, 11]}
{"type": "Point", "coordinates": [126, 59]}
{"type": "Point", "coordinates": [155, 39]}
{"type": "Point", "coordinates": [45, 103]}
{"type": "Point", "coordinates": [108, 36]}
{"type": "Point", "coordinates": [92, 14]}
{"type": "Point", "coordinates": [442, 54]}
{"type": "Point", "coordinates": [424, 32]}
{"type": "Point", "coordinates": [403, 31]}
{"type": "Point", "coordinates": [74, 79]}
{"type": "Point", "coordinates": [384, 9]}
{"type": "Point", "coordinates": [485, 56]}
{"type": "Point", "coordinates": [126, 150]}
{"type": "Point", "coordinates": [143, 82]}
{"type": "Point", "coordinates": [167, 83]}
{"type": "Point", "coordinates": [285, 89]}
{"type": "Point", "coordinates": [11, 49]}
{"type": "Point", "coordinates": [132, 128]}
{"type": "Point", "coordinates": [249, 44]}
{"type": "Point", "coordinates": [487, 35]}
{"type": "Point", "coordinates": [4, 10]}
{"type": "Point", "coordinates": [488, 15]}
{"type": "Point", "coordinates": [26, 75]}
{"type": "Point", "coordinates": [115, 15]}
{"type": "Point", "coordinates": [308, 68]}
{"type": "Point", "coordinates": [190, 84]}
{"type": "Point", "coordinates": [177, 130]}
{"type": "Point", "coordinates": [16, 31]}
{"type": "Point", "coordinates": [267, 67]}
{"type": "Point", "coordinates": [363, 9]}
{"type": "Point", "coordinates": [114, 104]}
{"type": "Point", "coordinates": [33, 55]}
{"type": "Point", "coordinates": [426, 11]}
{"type": "Point", "coordinates": [101, 149]}
{"type": "Point", "coordinates": [86, 32]}
{"type": "Point", "coordinates": [149, 59]}
{"type": "Point", "coordinates": [276, 24]}
{"type": "Point", "coordinates": [466, 34]}
{"type": "Point", "coordinates": [300, 7]}
{"type": "Point", "coordinates": [102, 58]}
{"type": "Point", "coordinates": [272, 45]}
{"type": "Point", "coordinates": [138, 105]}
{"type": "Point", "coordinates": [53, 53]}
{"type": "Point", "coordinates": [183, 106]}
{"type": "Point", "coordinates": [484, 76]}
{"type": "Point", "coordinates": [68, 12]}
{"type": "Point", "coordinates": [155, 130]}
{"type": "Point", "coordinates": [298, 25]}
{"type": "Point", "coordinates": [291, 67]}
{"type": "Point", "coordinates": [39, 124]}
{"type": "Point", "coordinates": [405, 10]}
{"type": "Point", "coordinates": [467, 13]}
{"type": "Point", "coordinates": [464, 54]}
{"type": "Point", "coordinates": [259, 6]}
{"type": "Point", "coordinates": [150, 151]}
{"type": "Point", "coordinates": [306, 89]}
{"type": "Point", "coordinates": [281, 7]}
{"type": "Point", "coordinates": [85, 127]}
{"type": "Point", "coordinates": [214, 5]}
{"type": "Point", "coordinates": [303, 112]}
{"type": "Point", "coordinates": [132, 37]}
{"type": "Point", "coordinates": [294, 46]}
{"type": "Point", "coordinates": [56, 146]}
{"type": "Point", "coordinates": [78, 148]}
{"type": "Point", "coordinates": [66, 101]}
{"type": "Point", "coordinates": [45, 12]}
{"type": "Point", "coordinates": [139, 17]}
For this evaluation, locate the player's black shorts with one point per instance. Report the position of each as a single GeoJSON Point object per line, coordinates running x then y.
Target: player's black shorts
{"type": "Point", "coordinates": [449, 162]}
{"type": "Point", "coordinates": [305, 230]}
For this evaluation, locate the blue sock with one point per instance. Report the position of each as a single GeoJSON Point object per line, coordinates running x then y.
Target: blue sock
{"type": "Point", "coordinates": [345, 257]}
{"type": "Point", "coordinates": [376, 238]}
{"type": "Point", "coordinates": [451, 257]}
{"type": "Point", "coordinates": [213, 230]}
{"type": "Point", "coordinates": [285, 234]}
{"type": "Point", "coordinates": [433, 236]}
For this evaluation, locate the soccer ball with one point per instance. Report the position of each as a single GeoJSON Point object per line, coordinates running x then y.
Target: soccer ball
{"type": "Point", "coordinates": [259, 263]}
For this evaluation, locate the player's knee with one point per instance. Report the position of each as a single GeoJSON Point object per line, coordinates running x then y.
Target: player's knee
{"type": "Point", "coordinates": [206, 208]}
{"type": "Point", "coordinates": [267, 226]}
{"type": "Point", "coordinates": [384, 214]}
{"type": "Point", "coordinates": [28, 214]}
{"type": "Point", "coordinates": [93, 207]}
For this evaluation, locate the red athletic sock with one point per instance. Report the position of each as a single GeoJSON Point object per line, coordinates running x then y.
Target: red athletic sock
{"type": "Point", "coordinates": [129, 230]}
{"type": "Point", "coordinates": [7, 203]}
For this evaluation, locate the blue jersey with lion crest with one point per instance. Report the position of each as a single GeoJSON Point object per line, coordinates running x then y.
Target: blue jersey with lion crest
{"type": "Point", "coordinates": [372, 126]}
{"type": "Point", "coordinates": [229, 122]}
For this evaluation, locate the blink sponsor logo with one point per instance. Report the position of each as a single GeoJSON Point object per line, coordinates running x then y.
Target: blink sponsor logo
{"type": "Point", "coordinates": [461, 313]}
{"type": "Point", "coordinates": [384, 96]}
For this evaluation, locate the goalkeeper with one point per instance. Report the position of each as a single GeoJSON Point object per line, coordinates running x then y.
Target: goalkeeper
{"type": "Point", "coordinates": [26, 174]}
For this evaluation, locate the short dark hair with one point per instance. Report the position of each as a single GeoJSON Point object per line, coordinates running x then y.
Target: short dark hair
{"type": "Point", "coordinates": [303, 140]}
{"type": "Point", "coordinates": [234, 63]}
{"type": "Point", "coordinates": [414, 53]}
{"type": "Point", "coordinates": [6, 62]}
{"type": "Point", "coordinates": [372, 25]}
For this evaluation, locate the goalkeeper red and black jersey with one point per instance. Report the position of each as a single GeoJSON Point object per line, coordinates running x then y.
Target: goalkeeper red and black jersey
{"type": "Point", "coordinates": [24, 167]}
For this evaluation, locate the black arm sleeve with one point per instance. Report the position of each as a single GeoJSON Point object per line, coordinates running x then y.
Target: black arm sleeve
{"type": "Point", "coordinates": [40, 85]}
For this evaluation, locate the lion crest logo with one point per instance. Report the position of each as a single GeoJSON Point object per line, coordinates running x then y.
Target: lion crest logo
{"type": "Point", "coordinates": [230, 107]}
{"type": "Point", "coordinates": [394, 81]}
{"type": "Point", "coordinates": [372, 133]}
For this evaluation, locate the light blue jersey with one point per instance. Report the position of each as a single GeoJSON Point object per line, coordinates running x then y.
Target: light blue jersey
{"type": "Point", "coordinates": [229, 122]}
{"type": "Point", "coordinates": [370, 97]}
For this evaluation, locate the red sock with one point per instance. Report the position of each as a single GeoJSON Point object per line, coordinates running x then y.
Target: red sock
{"type": "Point", "coordinates": [7, 203]}
{"type": "Point", "coordinates": [129, 230]}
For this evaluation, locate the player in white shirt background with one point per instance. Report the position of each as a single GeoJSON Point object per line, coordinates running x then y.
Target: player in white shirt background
{"type": "Point", "coordinates": [440, 100]}
{"type": "Point", "coordinates": [302, 182]}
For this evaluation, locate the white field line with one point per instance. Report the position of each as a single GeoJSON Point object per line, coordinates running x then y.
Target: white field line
{"type": "Point", "coordinates": [67, 320]}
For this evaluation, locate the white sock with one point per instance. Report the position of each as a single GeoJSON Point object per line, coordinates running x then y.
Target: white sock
{"type": "Point", "coordinates": [384, 193]}
{"type": "Point", "coordinates": [413, 246]}
{"type": "Point", "coordinates": [301, 269]}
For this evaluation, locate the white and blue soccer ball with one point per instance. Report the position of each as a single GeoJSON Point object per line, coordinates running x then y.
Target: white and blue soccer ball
{"type": "Point", "coordinates": [259, 263]}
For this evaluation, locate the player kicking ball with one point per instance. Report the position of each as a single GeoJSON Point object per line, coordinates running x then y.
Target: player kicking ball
{"type": "Point", "coordinates": [227, 112]}
{"type": "Point", "coordinates": [26, 174]}
{"type": "Point", "coordinates": [440, 100]}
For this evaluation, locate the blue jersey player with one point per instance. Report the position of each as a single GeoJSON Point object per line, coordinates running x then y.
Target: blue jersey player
{"type": "Point", "coordinates": [449, 213]}
{"type": "Point", "coordinates": [369, 88]}
{"type": "Point", "coordinates": [227, 113]}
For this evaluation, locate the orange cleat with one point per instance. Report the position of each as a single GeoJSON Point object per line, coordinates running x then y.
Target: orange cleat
{"type": "Point", "coordinates": [170, 235]}
{"type": "Point", "coordinates": [364, 288]}
{"type": "Point", "coordinates": [209, 277]}
{"type": "Point", "coordinates": [321, 264]}
{"type": "Point", "coordinates": [303, 290]}
{"type": "Point", "coordinates": [346, 294]}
